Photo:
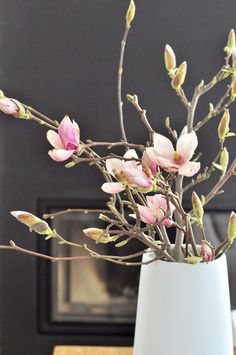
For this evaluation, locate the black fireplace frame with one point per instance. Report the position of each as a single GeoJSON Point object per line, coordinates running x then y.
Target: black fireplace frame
{"type": "Point", "coordinates": [106, 333]}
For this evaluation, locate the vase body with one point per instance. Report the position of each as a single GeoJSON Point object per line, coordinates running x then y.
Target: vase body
{"type": "Point", "coordinates": [183, 309]}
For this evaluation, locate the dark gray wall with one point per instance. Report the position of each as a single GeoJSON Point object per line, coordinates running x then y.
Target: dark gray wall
{"type": "Point", "coordinates": [61, 56]}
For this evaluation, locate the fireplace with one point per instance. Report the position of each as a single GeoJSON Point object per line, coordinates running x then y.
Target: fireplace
{"type": "Point", "coordinates": [94, 299]}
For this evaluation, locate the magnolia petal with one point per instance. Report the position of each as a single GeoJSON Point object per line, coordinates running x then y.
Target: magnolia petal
{"type": "Point", "coordinates": [163, 146]}
{"type": "Point", "coordinates": [148, 161]}
{"type": "Point", "coordinates": [189, 169]}
{"type": "Point", "coordinates": [132, 164]}
{"type": "Point", "coordinates": [184, 131]}
{"type": "Point", "coordinates": [68, 133]}
{"type": "Point", "coordinates": [54, 139]}
{"type": "Point", "coordinates": [151, 202]}
{"type": "Point", "coordinates": [9, 107]}
{"type": "Point", "coordinates": [186, 145]}
{"type": "Point", "coordinates": [60, 154]}
{"type": "Point", "coordinates": [114, 165]}
{"type": "Point", "coordinates": [146, 215]}
{"type": "Point", "coordinates": [112, 187]}
{"type": "Point", "coordinates": [137, 178]}
{"type": "Point", "coordinates": [131, 153]}
{"type": "Point", "coordinates": [167, 222]}
{"type": "Point", "coordinates": [167, 164]}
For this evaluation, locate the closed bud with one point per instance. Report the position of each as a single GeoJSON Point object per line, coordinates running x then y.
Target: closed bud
{"type": "Point", "coordinates": [170, 60]}
{"type": "Point", "coordinates": [130, 13]}
{"type": "Point", "coordinates": [223, 127]}
{"type": "Point", "coordinates": [233, 88]}
{"type": "Point", "coordinates": [207, 251]}
{"type": "Point", "coordinates": [34, 223]}
{"type": "Point", "coordinates": [179, 77]}
{"type": "Point", "coordinates": [234, 59]}
{"type": "Point", "coordinates": [232, 227]}
{"type": "Point", "coordinates": [193, 260]}
{"type": "Point", "coordinates": [167, 122]}
{"type": "Point", "coordinates": [197, 208]}
{"type": "Point", "coordinates": [99, 235]}
{"type": "Point", "coordinates": [231, 43]}
{"type": "Point", "coordinates": [130, 98]}
{"type": "Point", "coordinates": [211, 108]}
{"type": "Point", "coordinates": [224, 160]}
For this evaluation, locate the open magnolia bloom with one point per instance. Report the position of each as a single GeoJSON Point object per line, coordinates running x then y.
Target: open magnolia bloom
{"type": "Point", "coordinates": [66, 141]}
{"type": "Point", "coordinates": [156, 209]}
{"type": "Point", "coordinates": [165, 156]}
{"type": "Point", "coordinates": [127, 173]}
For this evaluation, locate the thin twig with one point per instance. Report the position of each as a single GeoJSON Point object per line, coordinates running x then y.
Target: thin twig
{"type": "Point", "coordinates": [119, 83]}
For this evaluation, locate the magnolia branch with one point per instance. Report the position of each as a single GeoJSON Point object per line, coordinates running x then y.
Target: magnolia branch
{"type": "Point", "coordinates": [119, 83]}
{"type": "Point", "coordinates": [221, 182]}
{"type": "Point", "coordinates": [110, 258]}
{"type": "Point", "coordinates": [134, 101]}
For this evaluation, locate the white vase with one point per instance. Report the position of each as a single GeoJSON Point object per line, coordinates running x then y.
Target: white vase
{"type": "Point", "coordinates": [183, 309]}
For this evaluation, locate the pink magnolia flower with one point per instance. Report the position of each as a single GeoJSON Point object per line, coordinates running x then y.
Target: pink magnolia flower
{"type": "Point", "coordinates": [156, 209]}
{"type": "Point", "coordinates": [164, 155]}
{"type": "Point", "coordinates": [66, 141]}
{"type": "Point", "coordinates": [207, 252]}
{"type": "Point", "coordinates": [9, 106]}
{"type": "Point", "coordinates": [126, 173]}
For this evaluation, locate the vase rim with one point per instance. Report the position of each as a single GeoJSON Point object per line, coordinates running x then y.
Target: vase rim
{"type": "Point", "coordinates": [150, 254]}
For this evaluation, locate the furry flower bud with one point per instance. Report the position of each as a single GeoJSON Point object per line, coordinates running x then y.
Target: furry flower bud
{"type": "Point", "coordinates": [223, 127]}
{"type": "Point", "coordinates": [99, 235]}
{"type": "Point", "coordinates": [34, 223]}
{"type": "Point", "coordinates": [231, 43]}
{"type": "Point", "coordinates": [224, 160]}
{"type": "Point", "coordinates": [233, 88]}
{"type": "Point", "coordinates": [197, 208]}
{"type": "Point", "coordinates": [170, 59]}
{"type": "Point", "coordinates": [232, 227]}
{"type": "Point", "coordinates": [130, 13]}
{"type": "Point", "coordinates": [234, 59]}
{"type": "Point", "coordinates": [179, 77]}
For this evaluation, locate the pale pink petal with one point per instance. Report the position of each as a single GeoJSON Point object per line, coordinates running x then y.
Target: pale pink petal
{"type": "Point", "coordinates": [112, 187]}
{"type": "Point", "coordinates": [131, 153]}
{"type": "Point", "coordinates": [114, 165]}
{"type": "Point", "coordinates": [167, 222]}
{"type": "Point", "coordinates": [160, 202]}
{"type": "Point", "coordinates": [137, 178]}
{"type": "Point", "coordinates": [132, 164]}
{"type": "Point", "coordinates": [168, 165]}
{"type": "Point", "coordinates": [184, 131]}
{"type": "Point", "coordinates": [152, 154]}
{"type": "Point", "coordinates": [163, 146]}
{"type": "Point", "coordinates": [54, 139]}
{"type": "Point", "coordinates": [189, 169]}
{"type": "Point", "coordinates": [146, 215]}
{"type": "Point", "coordinates": [150, 202]}
{"type": "Point", "coordinates": [60, 154]}
{"type": "Point", "coordinates": [68, 133]}
{"type": "Point", "coordinates": [186, 145]}
{"type": "Point", "coordinates": [9, 106]}
{"type": "Point", "coordinates": [148, 162]}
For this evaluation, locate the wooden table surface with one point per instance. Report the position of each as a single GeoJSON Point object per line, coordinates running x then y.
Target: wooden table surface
{"type": "Point", "coordinates": [91, 350]}
{"type": "Point", "coordinates": [94, 350]}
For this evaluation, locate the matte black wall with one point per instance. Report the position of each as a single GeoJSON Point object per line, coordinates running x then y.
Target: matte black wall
{"type": "Point", "coordinates": [61, 56]}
